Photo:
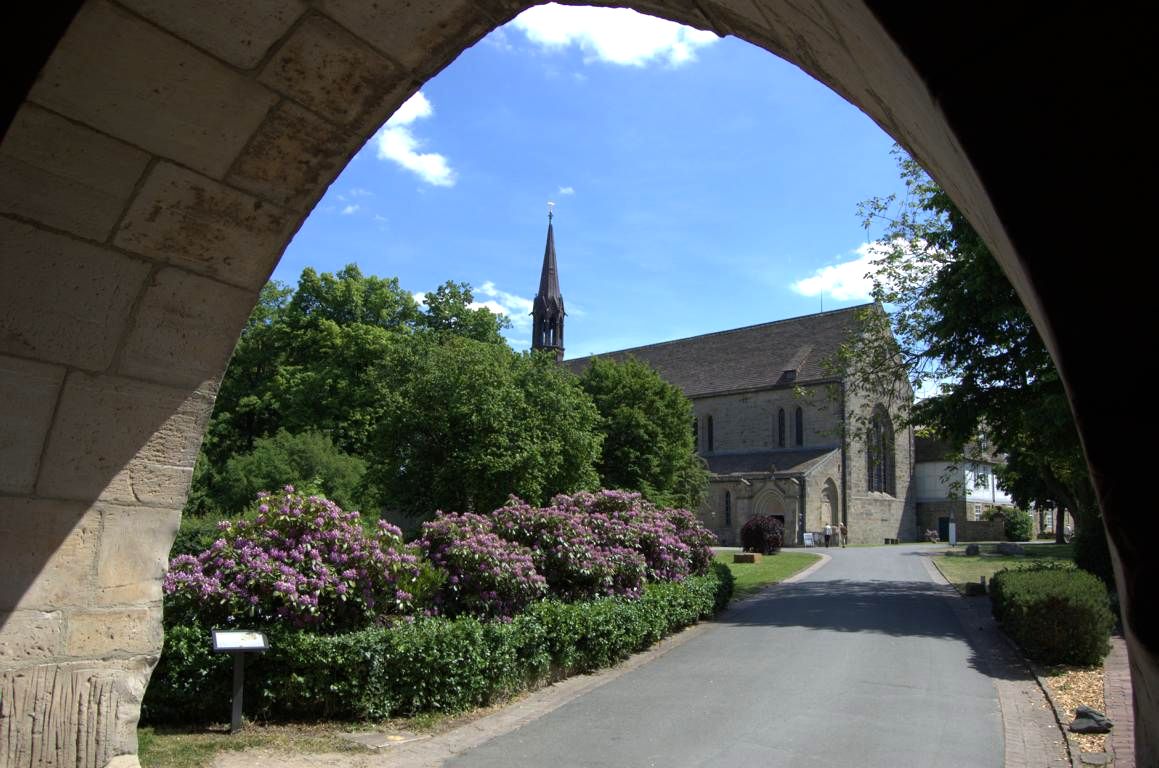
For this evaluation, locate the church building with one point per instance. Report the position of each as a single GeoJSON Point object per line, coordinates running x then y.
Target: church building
{"type": "Point", "coordinates": [782, 434]}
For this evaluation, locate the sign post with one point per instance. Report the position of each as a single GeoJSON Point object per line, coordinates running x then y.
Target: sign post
{"type": "Point", "coordinates": [238, 642]}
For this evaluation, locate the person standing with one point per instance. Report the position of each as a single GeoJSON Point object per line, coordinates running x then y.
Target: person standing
{"type": "Point", "coordinates": [828, 534]}
{"type": "Point", "coordinates": [844, 533]}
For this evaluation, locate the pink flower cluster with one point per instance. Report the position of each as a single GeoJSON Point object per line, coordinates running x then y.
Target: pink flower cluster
{"type": "Point", "coordinates": [582, 546]}
{"type": "Point", "coordinates": [487, 576]}
{"type": "Point", "coordinates": [301, 560]}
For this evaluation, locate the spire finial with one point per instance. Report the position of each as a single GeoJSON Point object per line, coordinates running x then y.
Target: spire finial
{"type": "Point", "coordinates": [550, 210]}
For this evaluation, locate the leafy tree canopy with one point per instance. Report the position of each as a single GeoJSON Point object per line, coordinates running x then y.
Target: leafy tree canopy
{"type": "Point", "coordinates": [960, 325]}
{"type": "Point", "coordinates": [648, 444]}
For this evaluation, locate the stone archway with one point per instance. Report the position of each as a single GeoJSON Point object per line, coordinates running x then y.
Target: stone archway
{"type": "Point", "coordinates": [166, 152]}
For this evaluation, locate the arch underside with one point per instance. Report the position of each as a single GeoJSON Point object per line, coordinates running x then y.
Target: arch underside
{"type": "Point", "coordinates": [154, 174]}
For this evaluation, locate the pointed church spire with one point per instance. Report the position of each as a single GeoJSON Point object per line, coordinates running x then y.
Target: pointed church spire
{"type": "Point", "coordinates": [547, 309]}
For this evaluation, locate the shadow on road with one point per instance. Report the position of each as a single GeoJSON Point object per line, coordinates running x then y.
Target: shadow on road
{"type": "Point", "coordinates": [895, 608]}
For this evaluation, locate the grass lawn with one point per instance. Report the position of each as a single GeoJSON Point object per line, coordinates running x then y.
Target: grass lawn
{"type": "Point", "coordinates": [961, 570]}
{"type": "Point", "coordinates": [752, 577]}
{"type": "Point", "coordinates": [165, 747]}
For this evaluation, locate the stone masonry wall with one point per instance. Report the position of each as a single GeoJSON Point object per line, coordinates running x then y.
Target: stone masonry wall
{"type": "Point", "coordinates": [747, 421]}
{"type": "Point", "coordinates": [148, 185]}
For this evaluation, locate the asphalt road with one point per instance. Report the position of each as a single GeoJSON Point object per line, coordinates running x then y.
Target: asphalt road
{"type": "Point", "coordinates": [861, 664]}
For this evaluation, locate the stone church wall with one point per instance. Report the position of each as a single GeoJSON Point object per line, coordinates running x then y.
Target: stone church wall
{"type": "Point", "coordinates": [747, 421]}
{"type": "Point", "coordinates": [874, 516]}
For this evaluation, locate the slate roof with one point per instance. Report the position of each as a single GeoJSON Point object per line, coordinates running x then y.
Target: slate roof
{"type": "Point", "coordinates": [782, 352]}
{"type": "Point", "coordinates": [549, 297]}
{"type": "Point", "coordinates": [798, 461]}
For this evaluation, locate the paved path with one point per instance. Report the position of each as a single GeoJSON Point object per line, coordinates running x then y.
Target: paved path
{"type": "Point", "coordinates": [864, 663]}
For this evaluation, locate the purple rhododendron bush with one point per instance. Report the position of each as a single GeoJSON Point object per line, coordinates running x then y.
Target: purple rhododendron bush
{"type": "Point", "coordinates": [305, 563]}
{"type": "Point", "coordinates": [363, 626]}
{"type": "Point", "coordinates": [301, 561]}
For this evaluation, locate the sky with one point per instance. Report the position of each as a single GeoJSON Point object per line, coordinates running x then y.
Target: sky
{"type": "Point", "coordinates": [700, 183]}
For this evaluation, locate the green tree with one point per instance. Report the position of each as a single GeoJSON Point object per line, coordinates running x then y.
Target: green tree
{"type": "Point", "coordinates": [306, 460]}
{"type": "Point", "coordinates": [318, 359]}
{"type": "Point", "coordinates": [959, 324]}
{"type": "Point", "coordinates": [477, 422]}
{"type": "Point", "coordinates": [648, 444]}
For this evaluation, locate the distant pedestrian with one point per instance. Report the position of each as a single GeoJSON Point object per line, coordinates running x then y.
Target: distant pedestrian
{"type": "Point", "coordinates": [828, 534]}
{"type": "Point", "coordinates": [844, 533]}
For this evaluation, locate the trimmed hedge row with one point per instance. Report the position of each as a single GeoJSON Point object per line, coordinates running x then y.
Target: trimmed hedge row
{"type": "Point", "coordinates": [431, 664]}
{"type": "Point", "coordinates": [1057, 615]}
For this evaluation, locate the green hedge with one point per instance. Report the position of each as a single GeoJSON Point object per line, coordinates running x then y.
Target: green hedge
{"type": "Point", "coordinates": [1057, 615]}
{"type": "Point", "coordinates": [432, 664]}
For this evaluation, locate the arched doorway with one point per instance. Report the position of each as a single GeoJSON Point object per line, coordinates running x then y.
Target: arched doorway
{"type": "Point", "coordinates": [165, 153]}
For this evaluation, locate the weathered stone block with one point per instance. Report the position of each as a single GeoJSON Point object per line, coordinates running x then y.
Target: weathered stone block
{"type": "Point", "coordinates": [240, 33]}
{"type": "Point", "coordinates": [185, 329]}
{"type": "Point", "coordinates": [48, 553]}
{"type": "Point", "coordinates": [293, 157]}
{"type": "Point", "coordinates": [30, 636]}
{"type": "Point", "coordinates": [433, 31]}
{"type": "Point", "coordinates": [98, 634]}
{"type": "Point", "coordinates": [329, 70]}
{"type": "Point", "coordinates": [28, 393]}
{"type": "Point", "coordinates": [66, 175]}
{"type": "Point", "coordinates": [63, 300]}
{"type": "Point", "coordinates": [80, 714]}
{"type": "Point", "coordinates": [134, 551]}
{"type": "Point", "coordinates": [129, 79]}
{"type": "Point", "coordinates": [106, 427]}
{"type": "Point", "coordinates": [188, 220]}
{"type": "Point", "coordinates": [747, 557]}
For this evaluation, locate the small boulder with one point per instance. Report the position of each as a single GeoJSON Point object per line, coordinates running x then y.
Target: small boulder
{"type": "Point", "coordinates": [1089, 720]}
{"type": "Point", "coordinates": [1010, 548]}
{"type": "Point", "coordinates": [972, 550]}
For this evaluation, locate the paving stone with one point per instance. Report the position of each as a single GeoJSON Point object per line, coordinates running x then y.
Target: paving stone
{"type": "Point", "coordinates": [129, 79]}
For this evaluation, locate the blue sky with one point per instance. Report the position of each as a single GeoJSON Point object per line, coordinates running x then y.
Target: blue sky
{"type": "Point", "coordinates": [700, 183]}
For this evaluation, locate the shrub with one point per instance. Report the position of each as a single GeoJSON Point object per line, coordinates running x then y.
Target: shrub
{"type": "Point", "coordinates": [1018, 525]}
{"type": "Point", "coordinates": [574, 560]}
{"type": "Point", "coordinates": [487, 576]}
{"type": "Point", "coordinates": [301, 560]}
{"type": "Point", "coordinates": [1059, 615]}
{"type": "Point", "coordinates": [763, 534]}
{"type": "Point", "coordinates": [673, 543]}
{"type": "Point", "coordinates": [428, 664]}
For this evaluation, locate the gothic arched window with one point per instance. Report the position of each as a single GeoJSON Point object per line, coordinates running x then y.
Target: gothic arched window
{"type": "Point", "coordinates": [781, 428]}
{"type": "Point", "coordinates": [727, 508]}
{"type": "Point", "coordinates": [879, 453]}
{"type": "Point", "coordinates": [710, 433]}
{"type": "Point", "coordinates": [800, 427]}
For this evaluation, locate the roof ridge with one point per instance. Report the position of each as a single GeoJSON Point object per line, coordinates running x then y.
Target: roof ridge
{"type": "Point", "coordinates": [726, 331]}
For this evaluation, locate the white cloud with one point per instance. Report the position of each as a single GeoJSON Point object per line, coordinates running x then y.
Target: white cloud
{"type": "Point", "coordinates": [351, 209]}
{"type": "Point", "coordinates": [516, 308]}
{"type": "Point", "coordinates": [360, 192]}
{"type": "Point", "coordinates": [397, 143]}
{"type": "Point", "coordinates": [612, 35]}
{"type": "Point", "coordinates": [846, 281]}
{"type": "Point", "coordinates": [567, 190]}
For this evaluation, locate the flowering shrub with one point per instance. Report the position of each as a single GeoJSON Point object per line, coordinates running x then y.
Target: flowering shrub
{"type": "Point", "coordinates": [674, 544]}
{"type": "Point", "coordinates": [762, 533]}
{"type": "Point", "coordinates": [488, 576]}
{"type": "Point", "coordinates": [303, 561]}
{"type": "Point", "coordinates": [573, 559]}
